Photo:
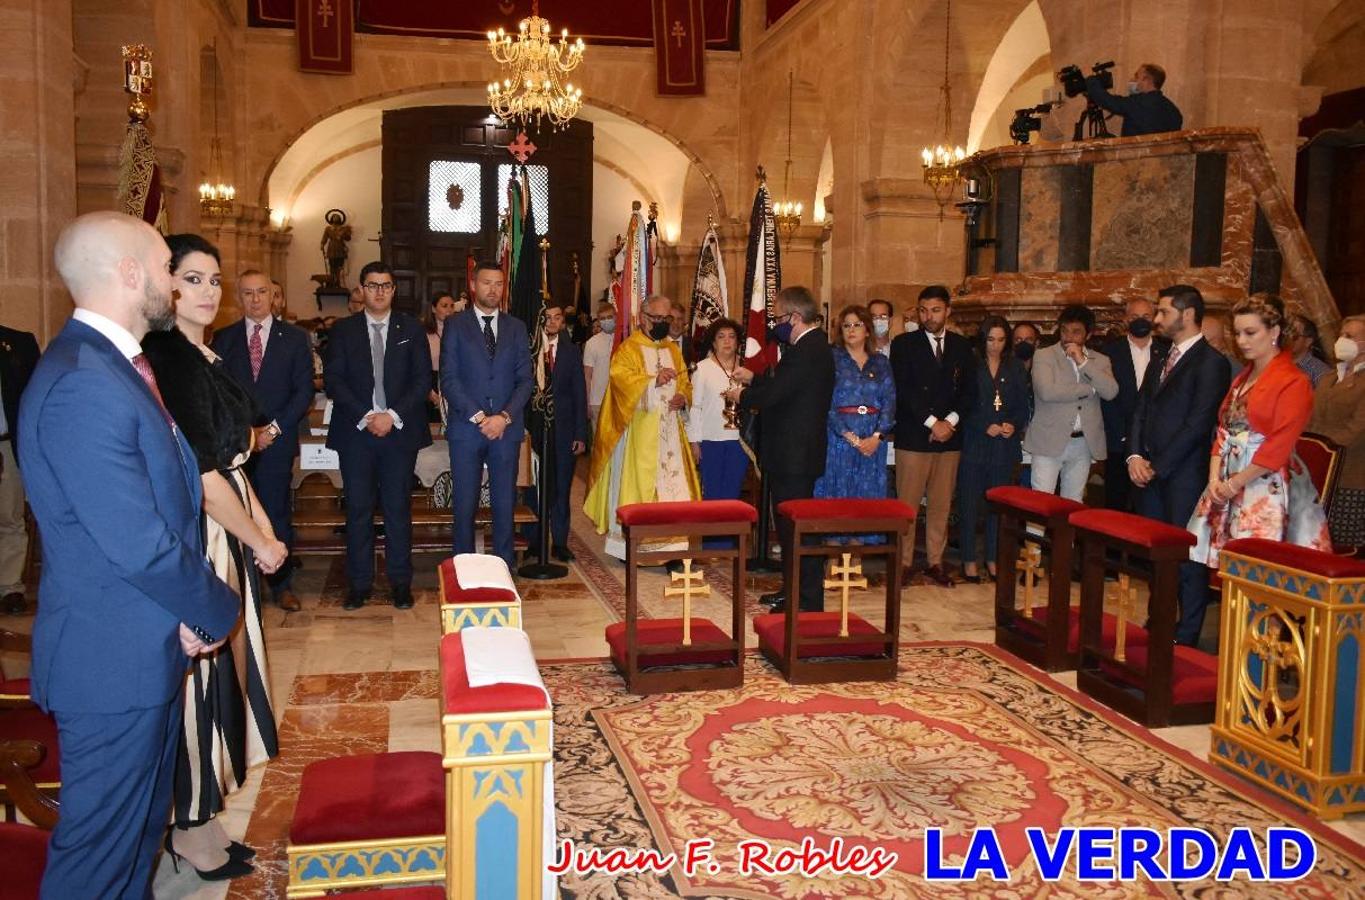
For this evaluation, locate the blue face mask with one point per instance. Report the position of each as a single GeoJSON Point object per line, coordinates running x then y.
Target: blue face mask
{"type": "Point", "coordinates": [608, 326]}
{"type": "Point", "coordinates": [782, 332]}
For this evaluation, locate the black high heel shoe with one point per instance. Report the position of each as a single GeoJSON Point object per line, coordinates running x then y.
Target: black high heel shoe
{"type": "Point", "coordinates": [233, 868]}
{"type": "Point", "coordinates": [238, 850]}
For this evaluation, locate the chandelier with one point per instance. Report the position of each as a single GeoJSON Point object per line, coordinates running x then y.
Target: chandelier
{"type": "Point", "coordinates": [942, 163]}
{"type": "Point", "coordinates": [786, 214]}
{"type": "Point", "coordinates": [216, 193]}
{"type": "Point", "coordinates": [534, 84]}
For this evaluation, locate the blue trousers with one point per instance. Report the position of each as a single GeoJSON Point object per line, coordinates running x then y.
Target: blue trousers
{"type": "Point", "coordinates": [973, 480]}
{"type": "Point", "coordinates": [467, 459]}
{"type": "Point", "coordinates": [378, 466]}
{"type": "Point", "coordinates": [270, 476]}
{"type": "Point", "coordinates": [722, 468]}
{"type": "Point", "coordinates": [116, 802]}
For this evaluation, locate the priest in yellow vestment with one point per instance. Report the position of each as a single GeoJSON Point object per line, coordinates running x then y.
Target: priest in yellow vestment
{"type": "Point", "coordinates": [640, 452]}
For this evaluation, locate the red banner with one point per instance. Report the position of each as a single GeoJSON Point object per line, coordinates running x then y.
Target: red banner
{"type": "Point", "coordinates": [326, 29]}
{"type": "Point", "coordinates": [680, 47]}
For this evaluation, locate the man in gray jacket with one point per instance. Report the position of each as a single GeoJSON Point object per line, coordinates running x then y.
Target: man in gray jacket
{"type": "Point", "coordinates": [1066, 433]}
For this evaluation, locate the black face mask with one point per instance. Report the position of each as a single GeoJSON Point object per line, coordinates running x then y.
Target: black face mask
{"type": "Point", "coordinates": [1140, 328]}
{"type": "Point", "coordinates": [1023, 351]}
{"type": "Point", "coordinates": [658, 331]}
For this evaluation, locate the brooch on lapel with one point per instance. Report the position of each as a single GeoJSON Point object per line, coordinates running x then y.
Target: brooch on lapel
{"type": "Point", "coordinates": [4, 345]}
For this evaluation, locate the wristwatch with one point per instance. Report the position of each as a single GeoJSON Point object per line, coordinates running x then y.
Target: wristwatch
{"type": "Point", "coordinates": [273, 429]}
{"type": "Point", "coordinates": [506, 415]}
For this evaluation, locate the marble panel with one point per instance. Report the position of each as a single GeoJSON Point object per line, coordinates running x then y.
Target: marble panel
{"type": "Point", "coordinates": [1040, 212]}
{"type": "Point", "coordinates": [1141, 213]}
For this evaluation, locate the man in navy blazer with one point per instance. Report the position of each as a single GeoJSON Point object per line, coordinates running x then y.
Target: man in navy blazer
{"type": "Point", "coordinates": [273, 361]}
{"type": "Point", "coordinates": [1171, 434]}
{"type": "Point", "coordinates": [378, 373]}
{"type": "Point", "coordinates": [127, 596]}
{"type": "Point", "coordinates": [486, 381]}
{"type": "Point", "coordinates": [1129, 356]}
{"type": "Point", "coordinates": [564, 368]}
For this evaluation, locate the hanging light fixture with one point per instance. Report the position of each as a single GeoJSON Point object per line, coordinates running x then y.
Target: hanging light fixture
{"type": "Point", "coordinates": [942, 163]}
{"type": "Point", "coordinates": [216, 194]}
{"type": "Point", "coordinates": [786, 214]}
{"type": "Point", "coordinates": [535, 82]}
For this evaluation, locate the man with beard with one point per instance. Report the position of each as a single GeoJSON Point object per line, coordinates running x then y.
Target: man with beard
{"type": "Point", "coordinates": [127, 596]}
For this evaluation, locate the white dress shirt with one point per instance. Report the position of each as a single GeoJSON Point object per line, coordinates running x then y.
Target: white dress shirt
{"type": "Point", "coordinates": [1141, 357]}
{"type": "Point", "coordinates": [597, 356]}
{"type": "Point", "coordinates": [119, 336]}
{"type": "Point", "coordinates": [941, 338]}
{"type": "Point", "coordinates": [706, 417]}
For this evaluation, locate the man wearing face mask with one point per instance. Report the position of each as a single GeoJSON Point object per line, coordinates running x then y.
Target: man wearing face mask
{"type": "Point", "coordinates": [1025, 336]}
{"type": "Point", "coordinates": [881, 325]}
{"type": "Point", "coordinates": [1145, 110]}
{"type": "Point", "coordinates": [597, 360]}
{"type": "Point", "coordinates": [640, 451]}
{"type": "Point", "coordinates": [1339, 413]}
{"type": "Point", "coordinates": [1129, 356]}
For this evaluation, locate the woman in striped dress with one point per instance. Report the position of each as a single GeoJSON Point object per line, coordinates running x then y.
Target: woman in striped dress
{"type": "Point", "coordinates": [228, 723]}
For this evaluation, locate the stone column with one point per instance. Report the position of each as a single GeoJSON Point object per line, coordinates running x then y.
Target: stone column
{"type": "Point", "coordinates": [37, 160]}
{"type": "Point", "coordinates": [908, 241]}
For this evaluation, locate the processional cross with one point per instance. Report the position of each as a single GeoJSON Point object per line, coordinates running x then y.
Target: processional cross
{"type": "Point", "coordinates": [693, 585]}
{"type": "Point", "coordinates": [851, 576]}
{"type": "Point", "coordinates": [521, 149]}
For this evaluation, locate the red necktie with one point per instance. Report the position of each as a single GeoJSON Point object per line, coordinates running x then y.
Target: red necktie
{"type": "Point", "coordinates": [1171, 360]}
{"type": "Point", "coordinates": [550, 359]}
{"type": "Point", "coordinates": [256, 351]}
{"type": "Point", "coordinates": [144, 368]}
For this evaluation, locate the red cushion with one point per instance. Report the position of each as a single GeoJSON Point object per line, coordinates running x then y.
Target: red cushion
{"type": "Point", "coordinates": [24, 850]}
{"type": "Point", "coordinates": [1194, 674]}
{"type": "Point", "coordinates": [772, 633]}
{"type": "Point", "coordinates": [846, 508]}
{"type": "Point", "coordinates": [1036, 503]}
{"type": "Point", "coordinates": [1133, 529]}
{"type": "Point", "coordinates": [1137, 635]}
{"type": "Point", "coordinates": [370, 797]}
{"type": "Point", "coordinates": [461, 699]}
{"type": "Point", "coordinates": [15, 687]}
{"type": "Point", "coordinates": [453, 593]}
{"type": "Point", "coordinates": [1292, 556]}
{"type": "Point", "coordinates": [668, 631]}
{"type": "Point", "coordinates": [32, 724]}
{"type": "Point", "coordinates": [686, 512]}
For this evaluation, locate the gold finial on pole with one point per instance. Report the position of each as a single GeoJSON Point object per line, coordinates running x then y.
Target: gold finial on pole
{"type": "Point", "coordinates": [762, 175]}
{"type": "Point", "coordinates": [710, 220]}
{"type": "Point", "coordinates": [545, 268]}
{"type": "Point", "coordinates": [137, 79]}
{"type": "Point", "coordinates": [653, 210]}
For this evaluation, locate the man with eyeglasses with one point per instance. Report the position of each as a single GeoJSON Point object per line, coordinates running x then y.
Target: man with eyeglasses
{"type": "Point", "coordinates": [378, 373]}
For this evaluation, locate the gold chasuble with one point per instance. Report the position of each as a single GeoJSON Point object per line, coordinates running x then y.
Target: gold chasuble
{"type": "Point", "coordinates": [640, 452]}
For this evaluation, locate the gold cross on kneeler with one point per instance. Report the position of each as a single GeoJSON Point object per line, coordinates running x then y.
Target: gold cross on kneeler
{"type": "Point", "coordinates": [693, 585]}
{"type": "Point", "coordinates": [1126, 595]}
{"type": "Point", "coordinates": [325, 12]}
{"type": "Point", "coordinates": [1030, 562]}
{"type": "Point", "coordinates": [848, 569]}
{"type": "Point", "coordinates": [678, 32]}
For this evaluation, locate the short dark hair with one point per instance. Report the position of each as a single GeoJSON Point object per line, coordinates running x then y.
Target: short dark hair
{"type": "Point", "coordinates": [801, 301]}
{"type": "Point", "coordinates": [862, 313]}
{"type": "Point", "coordinates": [484, 265]}
{"type": "Point", "coordinates": [436, 297]}
{"type": "Point", "coordinates": [371, 268]}
{"type": "Point", "coordinates": [1157, 74]}
{"type": "Point", "coordinates": [936, 292]}
{"type": "Point", "coordinates": [1025, 323]}
{"type": "Point", "coordinates": [989, 323]}
{"type": "Point", "coordinates": [708, 341]}
{"type": "Point", "coordinates": [887, 303]}
{"type": "Point", "coordinates": [1077, 312]}
{"type": "Point", "coordinates": [1183, 297]}
{"type": "Point", "coordinates": [182, 245]}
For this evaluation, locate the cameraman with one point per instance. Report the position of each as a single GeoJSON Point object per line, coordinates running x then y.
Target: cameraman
{"type": "Point", "coordinates": [1145, 110]}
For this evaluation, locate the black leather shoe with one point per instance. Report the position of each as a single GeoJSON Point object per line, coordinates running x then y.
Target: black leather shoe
{"type": "Point", "coordinates": [355, 599]}
{"type": "Point", "coordinates": [562, 553]}
{"type": "Point", "coordinates": [14, 603]}
{"type": "Point", "coordinates": [402, 596]}
{"type": "Point", "coordinates": [772, 599]}
{"type": "Point", "coordinates": [673, 566]}
{"type": "Point", "coordinates": [779, 607]}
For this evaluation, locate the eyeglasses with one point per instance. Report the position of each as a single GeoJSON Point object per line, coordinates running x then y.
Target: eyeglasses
{"type": "Point", "coordinates": [379, 287]}
{"type": "Point", "coordinates": [848, 325]}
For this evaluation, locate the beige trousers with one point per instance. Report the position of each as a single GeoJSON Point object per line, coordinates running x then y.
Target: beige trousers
{"type": "Point", "coordinates": [13, 536]}
{"type": "Point", "coordinates": [932, 476]}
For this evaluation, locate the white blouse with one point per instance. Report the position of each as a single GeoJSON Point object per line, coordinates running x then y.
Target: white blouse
{"type": "Point", "coordinates": [706, 417]}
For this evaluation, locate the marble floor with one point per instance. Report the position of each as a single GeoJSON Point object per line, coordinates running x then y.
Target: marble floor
{"type": "Point", "coordinates": [364, 681]}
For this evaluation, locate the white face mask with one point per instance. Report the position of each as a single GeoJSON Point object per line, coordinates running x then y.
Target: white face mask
{"type": "Point", "coordinates": [881, 326]}
{"type": "Point", "coordinates": [1346, 349]}
{"type": "Point", "coordinates": [911, 325]}
{"type": "Point", "coordinates": [1132, 88]}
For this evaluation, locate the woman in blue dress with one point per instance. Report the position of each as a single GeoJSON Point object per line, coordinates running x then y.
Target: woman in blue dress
{"type": "Point", "coordinates": [861, 414]}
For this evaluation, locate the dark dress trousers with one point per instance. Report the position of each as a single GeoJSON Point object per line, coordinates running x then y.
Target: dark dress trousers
{"type": "Point", "coordinates": [792, 400]}
{"type": "Point", "coordinates": [473, 382]}
{"type": "Point", "coordinates": [1172, 428]}
{"type": "Point", "coordinates": [370, 464]}
{"type": "Point", "coordinates": [116, 493]}
{"type": "Point", "coordinates": [283, 392]}
{"type": "Point", "coordinates": [927, 386]}
{"type": "Point", "coordinates": [988, 461]}
{"type": "Point", "coordinates": [1118, 413]}
{"type": "Point", "coordinates": [571, 424]}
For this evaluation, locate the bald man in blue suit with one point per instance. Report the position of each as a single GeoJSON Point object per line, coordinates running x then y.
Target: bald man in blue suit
{"type": "Point", "coordinates": [127, 598]}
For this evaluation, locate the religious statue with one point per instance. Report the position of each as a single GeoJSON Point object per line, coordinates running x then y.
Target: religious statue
{"type": "Point", "coordinates": [334, 250]}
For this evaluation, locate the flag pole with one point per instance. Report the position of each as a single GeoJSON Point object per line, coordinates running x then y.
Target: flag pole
{"type": "Point", "coordinates": [542, 402]}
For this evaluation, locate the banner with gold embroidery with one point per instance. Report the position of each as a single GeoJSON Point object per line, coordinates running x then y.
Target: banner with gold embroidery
{"type": "Point", "coordinates": [680, 47]}
{"type": "Point", "coordinates": [326, 29]}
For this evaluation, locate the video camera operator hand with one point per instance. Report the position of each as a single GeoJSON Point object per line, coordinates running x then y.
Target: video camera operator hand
{"type": "Point", "coordinates": [1145, 110]}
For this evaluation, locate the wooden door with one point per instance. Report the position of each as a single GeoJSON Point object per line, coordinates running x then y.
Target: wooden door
{"type": "Point", "coordinates": [444, 180]}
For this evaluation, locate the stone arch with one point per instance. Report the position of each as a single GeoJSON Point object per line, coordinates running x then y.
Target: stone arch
{"type": "Point", "coordinates": [1015, 57]}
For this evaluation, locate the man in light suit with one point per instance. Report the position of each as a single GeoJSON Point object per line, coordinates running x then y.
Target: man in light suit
{"type": "Point", "coordinates": [1066, 433]}
{"type": "Point", "coordinates": [486, 381]}
{"type": "Point", "coordinates": [273, 361]}
{"type": "Point", "coordinates": [378, 373]}
{"type": "Point", "coordinates": [564, 368]}
{"type": "Point", "coordinates": [127, 596]}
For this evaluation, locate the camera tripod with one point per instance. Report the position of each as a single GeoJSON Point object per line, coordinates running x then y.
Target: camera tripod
{"type": "Point", "coordinates": [1091, 124]}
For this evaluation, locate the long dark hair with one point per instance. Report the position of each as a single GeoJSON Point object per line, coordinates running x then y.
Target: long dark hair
{"type": "Point", "coordinates": [429, 317]}
{"type": "Point", "coordinates": [182, 245]}
{"type": "Point", "coordinates": [984, 330]}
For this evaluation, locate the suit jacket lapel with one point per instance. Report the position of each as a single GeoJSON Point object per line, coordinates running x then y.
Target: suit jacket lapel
{"type": "Point", "coordinates": [1179, 363]}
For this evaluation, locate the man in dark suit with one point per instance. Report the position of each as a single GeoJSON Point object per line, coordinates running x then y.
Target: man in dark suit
{"type": "Point", "coordinates": [127, 596]}
{"type": "Point", "coordinates": [564, 368]}
{"type": "Point", "coordinates": [273, 361]}
{"type": "Point", "coordinates": [1145, 110]}
{"type": "Point", "coordinates": [378, 373]}
{"type": "Point", "coordinates": [18, 356]}
{"type": "Point", "coordinates": [486, 381]}
{"type": "Point", "coordinates": [1129, 355]}
{"type": "Point", "coordinates": [793, 398]}
{"type": "Point", "coordinates": [935, 373]}
{"type": "Point", "coordinates": [1171, 434]}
